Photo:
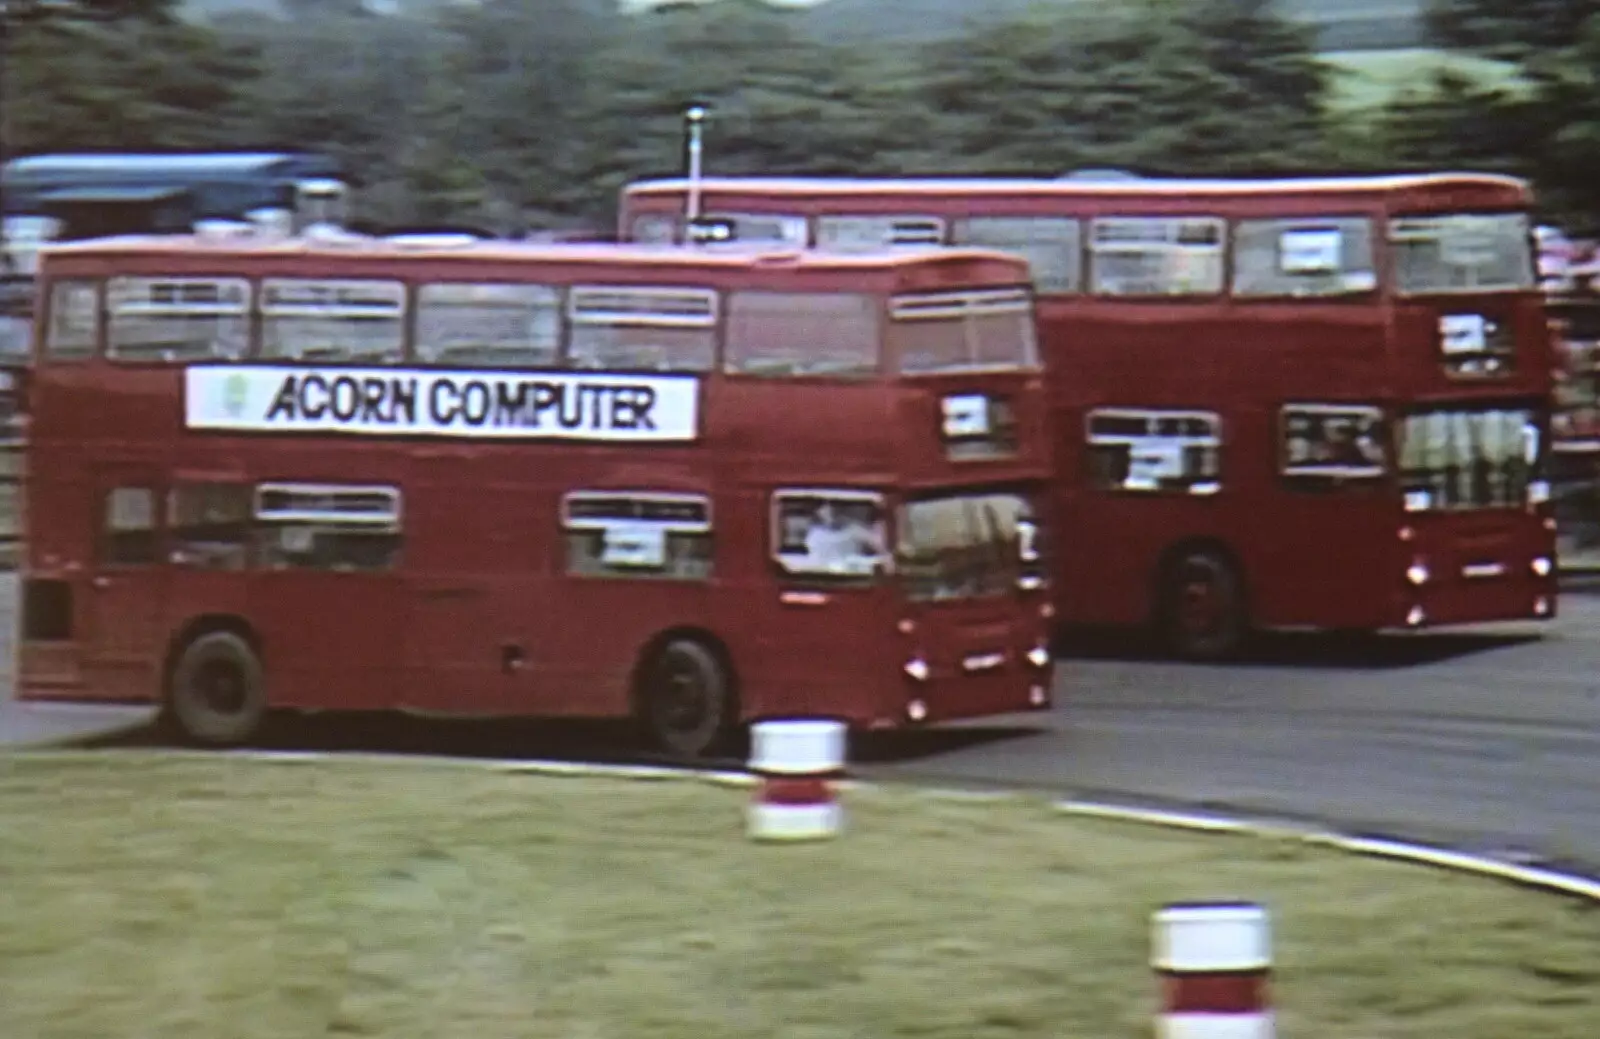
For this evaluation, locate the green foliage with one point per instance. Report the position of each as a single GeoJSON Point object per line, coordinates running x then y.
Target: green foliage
{"type": "Point", "coordinates": [1507, 28]}
{"type": "Point", "coordinates": [512, 112]}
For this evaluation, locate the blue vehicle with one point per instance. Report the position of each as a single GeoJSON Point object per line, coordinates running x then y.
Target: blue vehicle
{"type": "Point", "coordinates": [91, 196]}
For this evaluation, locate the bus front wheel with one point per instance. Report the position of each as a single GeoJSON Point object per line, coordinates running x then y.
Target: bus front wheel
{"type": "Point", "coordinates": [685, 701]}
{"type": "Point", "coordinates": [1202, 612]}
{"type": "Point", "coordinates": [217, 693]}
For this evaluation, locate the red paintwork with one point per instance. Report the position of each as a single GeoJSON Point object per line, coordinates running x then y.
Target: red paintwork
{"type": "Point", "coordinates": [1317, 560]}
{"type": "Point", "coordinates": [481, 567]}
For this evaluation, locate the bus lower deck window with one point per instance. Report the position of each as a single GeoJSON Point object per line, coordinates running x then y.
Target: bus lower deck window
{"type": "Point", "coordinates": [129, 536]}
{"type": "Point", "coordinates": [1148, 451]}
{"type": "Point", "coordinates": [210, 525]}
{"type": "Point", "coordinates": [635, 535]}
{"type": "Point", "coordinates": [327, 527]}
{"type": "Point", "coordinates": [838, 534]}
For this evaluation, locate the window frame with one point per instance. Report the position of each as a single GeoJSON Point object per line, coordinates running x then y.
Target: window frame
{"type": "Point", "coordinates": [959, 234]}
{"type": "Point", "coordinates": [246, 312]}
{"type": "Point", "coordinates": [823, 221]}
{"type": "Point", "coordinates": [389, 525]}
{"type": "Point", "coordinates": [419, 303]}
{"type": "Point", "coordinates": [45, 351]}
{"type": "Point", "coordinates": [575, 318]}
{"type": "Point", "coordinates": [1289, 224]}
{"type": "Point", "coordinates": [1334, 474]}
{"type": "Point", "coordinates": [1206, 487]}
{"type": "Point", "coordinates": [964, 304]}
{"type": "Point", "coordinates": [880, 360]}
{"type": "Point", "coordinates": [156, 529]}
{"type": "Point", "coordinates": [1395, 222]}
{"type": "Point", "coordinates": [702, 528]}
{"type": "Point", "coordinates": [1094, 249]}
{"type": "Point", "coordinates": [175, 541]}
{"type": "Point", "coordinates": [266, 311]}
{"type": "Point", "coordinates": [884, 564]}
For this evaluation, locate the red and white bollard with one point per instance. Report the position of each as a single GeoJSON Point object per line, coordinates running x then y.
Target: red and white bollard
{"type": "Point", "coordinates": [798, 763]}
{"type": "Point", "coordinates": [1214, 961]}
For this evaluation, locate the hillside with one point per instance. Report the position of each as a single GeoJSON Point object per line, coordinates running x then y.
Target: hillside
{"type": "Point", "coordinates": [1342, 25]}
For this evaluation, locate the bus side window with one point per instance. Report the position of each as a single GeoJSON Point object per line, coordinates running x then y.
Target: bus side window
{"type": "Point", "coordinates": [847, 234]}
{"type": "Point", "coordinates": [129, 537]}
{"type": "Point", "coordinates": [327, 526]}
{"type": "Point", "coordinates": [209, 525]}
{"type": "Point", "coordinates": [74, 320]}
{"type": "Point", "coordinates": [507, 325]}
{"type": "Point", "coordinates": [1053, 246]}
{"type": "Point", "coordinates": [332, 319]}
{"type": "Point", "coordinates": [639, 328]}
{"type": "Point", "coordinates": [638, 535]}
{"type": "Point", "coordinates": [802, 333]}
{"type": "Point", "coordinates": [1156, 256]}
{"type": "Point", "coordinates": [1324, 445]}
{"type": "Point", "coordinates": [830, 533]}
{"type": "Point", "coordinates": [1148, 451]}
{"type": "Point", "coordinates": [654, 229]}
{"type": "Point", "coordinates": [1303, 257]}
{"type": "Point", "coordinates": [177, 319]}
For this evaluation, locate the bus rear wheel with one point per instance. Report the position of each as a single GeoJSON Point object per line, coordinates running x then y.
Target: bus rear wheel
{"type": "Point", "coordinates": [685, 698]}
{"type": "Point", "coordinates": [216, 695]}
{"type": "Point", "coordinates": [1202, 614]}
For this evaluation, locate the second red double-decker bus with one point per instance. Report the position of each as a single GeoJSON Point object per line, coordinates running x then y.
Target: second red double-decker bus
{"type": "Point", "coordinates": [1278, 403]}
{"type": "Point", "coordinates": [503, 479]}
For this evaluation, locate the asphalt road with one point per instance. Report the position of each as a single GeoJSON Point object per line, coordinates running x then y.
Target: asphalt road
{"type": "Point", "coordinates": [1488, 740]}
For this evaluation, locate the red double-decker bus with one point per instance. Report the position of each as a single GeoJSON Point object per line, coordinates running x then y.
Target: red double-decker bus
{"type": "Point", "coordinates": [552, 480]}
{"type": "Point", "coordinates": [1278, 403]}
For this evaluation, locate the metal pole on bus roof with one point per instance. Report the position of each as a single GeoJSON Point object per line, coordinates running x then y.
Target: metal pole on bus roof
{"type": "Point", "coordinates": [694, 118]}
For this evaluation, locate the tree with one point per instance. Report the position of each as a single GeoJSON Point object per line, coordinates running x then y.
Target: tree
{"type": "Point", "coordinates": [1158, 85]}
{"type": "Point", "coordinates": [107, 76]}
{"type": "Point", "coordinates": [1509, 29]}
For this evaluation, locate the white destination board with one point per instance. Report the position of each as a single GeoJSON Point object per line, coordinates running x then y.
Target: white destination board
{"type": "Point", "coordinates": [437, 403]}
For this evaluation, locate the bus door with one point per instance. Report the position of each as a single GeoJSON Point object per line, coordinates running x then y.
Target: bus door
{"type": "Point", "coordinates": [970, 566]}
{"type": "Point", "coordinates": [832, 554]}
{"type": "Point", "coordinates": [123, 597]}
{"type": "Point", "coordinates": [474, 644]}
{"type": "Point", "coordinates": [326, 598]}
{"type": "Point", "coordinates": [1330, 539]}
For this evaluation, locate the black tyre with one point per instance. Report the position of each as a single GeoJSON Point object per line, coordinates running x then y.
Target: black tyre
{"type": "Point", "coordinates": [217, 694]}
{"type": "Point", "coordinates": [685, 699]}
{"type": "Point", "coordinates": [1202, 612]}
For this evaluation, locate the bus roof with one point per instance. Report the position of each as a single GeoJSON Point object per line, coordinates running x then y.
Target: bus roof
{"type": "Point", "coordinates": [552, 253]}
{"type": "Point", "coordinates": [1134, 187]}
{"type": "Point", "coordinates": [84, 169]}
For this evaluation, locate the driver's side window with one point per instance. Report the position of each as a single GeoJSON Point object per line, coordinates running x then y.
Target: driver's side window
{"type": "Point", "coordinates": [840, 535]}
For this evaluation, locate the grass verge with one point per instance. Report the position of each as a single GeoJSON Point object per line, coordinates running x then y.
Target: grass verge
{"type": "Point", "coordinates": [196, 896]}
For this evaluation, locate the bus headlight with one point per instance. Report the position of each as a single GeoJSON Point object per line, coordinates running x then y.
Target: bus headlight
{"type": "Point", "coordinates": [1039, 656]}
{"type": "Point", "coordinates": [1541, 566]}
{"type": "Point", "coordinates": [1417, 573]}
{"type": "Point", "coordinates": [917, 668]}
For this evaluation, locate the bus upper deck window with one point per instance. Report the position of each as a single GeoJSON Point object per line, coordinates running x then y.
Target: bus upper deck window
{"type": "Point", "coordinates": [963, 331]}
{"type": "Point", "coordinates": [74, 321]}
{"type": "Point", "coordinates": [1462, 252]}
{"type": "Point", "coordinates": [512, 325]}
{"type": "Point", "coordinates": [802, 333]}
{"type": "Point", "coordinates": [1156, 256]}
{"type": "Point", "coordinates": [1053, 246]}
{"type": "Point", "coordinates": [1303, 257]}
{"type": "Point", "coordinates": [642, 328]}
{"type": "Point", "coordinates": [332, 319]}
{"type": "Point", "coordinates": [177, 319]}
